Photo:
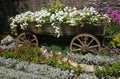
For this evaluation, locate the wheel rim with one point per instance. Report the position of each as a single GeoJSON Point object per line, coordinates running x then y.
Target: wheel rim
{"type": "Point", "coordinates": [26, 39]}
{"type": "Point", "coordinates": [85, 43]}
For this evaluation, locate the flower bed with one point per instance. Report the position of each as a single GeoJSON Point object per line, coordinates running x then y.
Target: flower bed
{"type": "Point", "coordinates": [30, 56]}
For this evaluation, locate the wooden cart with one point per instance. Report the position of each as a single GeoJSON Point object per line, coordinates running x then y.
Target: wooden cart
{"type": "Point", "coordinates": [84, 38]}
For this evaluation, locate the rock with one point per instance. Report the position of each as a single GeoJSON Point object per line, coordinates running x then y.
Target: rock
{"type": "Point", "coordinates": [46, 51]}
{"type": "Point", "coordinates": [86, 76]}
{"type": "Point", "coordinates": [10, 63]}
{"type": "Point", "coordinates": [7, 39]}
{"type": "Point", "coordinates": [21, 65]}
{"type": "Point", "coordinates": [7, 43]}
{"type": "Point", "coordinates": [95, 59]}
{"type": "Point", "coordinates": [8, 73]}
{"type": "Point", "coordinates": [32, 67]}
{"type": "Point", "coordinates": [87, 68]}
{"type": "Point", "coordinates": [2, 60]}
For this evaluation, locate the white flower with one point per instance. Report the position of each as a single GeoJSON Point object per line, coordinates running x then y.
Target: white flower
{"type": "Point", "coordinates": [52, 18]}
{"type": "Point", "coordinates": [66, 8]}
{"type": "Point", "coordinates": [39, 25]}
{"type": "Point", "coordinates": [74, 8]}
{"type": "Point", "coordinates": [93, 10]}
{"type": "Point", "coordinates": [68, 15]}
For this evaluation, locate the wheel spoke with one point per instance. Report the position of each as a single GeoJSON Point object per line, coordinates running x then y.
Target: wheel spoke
{"type": "Point", "coordinates": [27, 39]}
{"type": "Point", "coordinates": [76, 50]}
{"type": "Point", "coordinates": [77, 45]}
{"type": "Point", "coordinates": [80, 41]}
{"type": "Point", "coordinates": [32, 40]}
{"type": "Point", "coordinates": [90, 42]}
{"type": "Point", "coordinates": [21, 38]}
{"type": "Point", "coordinates": [28, 36]}
{"type": "Point", "coordinates": [20, 45]}
{"type": "Point", "coordinates": [95, 46]}
{"type": "Point", "coordinates": [24, 36]}
{"type": "Point", "coordinates": [20, 42]}
{"type": "Point", "coordinates": [85, 40]}
{"type": "Point", "coordinates": [93, 51]}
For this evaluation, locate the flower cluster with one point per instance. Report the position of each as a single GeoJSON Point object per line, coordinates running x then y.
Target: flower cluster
{"type": "Point", "coordinates": [113, 27]}
{"type": "Point", "coordinates": [59, 14]}
{"type": "Point", "coordinates": [114, 15]}
{"type": "Point", "coordinates": [91, 16]}
{"type": "Point", "coordinates": [24, 19]}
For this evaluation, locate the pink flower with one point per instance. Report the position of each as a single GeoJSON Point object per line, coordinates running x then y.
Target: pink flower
{"type": "Point", "coordinates": [109, 10]}
{"type": "Point", "coordinates": [110, 51]}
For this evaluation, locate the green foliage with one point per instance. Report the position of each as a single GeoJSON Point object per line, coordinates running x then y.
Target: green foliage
{"type": "Point", "coordinates": [53, 8]}
{"type": "Point", "coordinates": [55, 48]}
{"type": "Point", "coordinates": [35, 55]}
{"type": "Point", "coordinates": [112, 28]}
{"type": "Point", "coordinates": [66, 66]}
{"type": "Point", "coordinates": [105, 52]}
{"type": "Point", "coordinates": [27, 54]}
{"type": "Point", "coordinates": [7, 54]}
{"type": "Point", "coordinates": [78, 70]}
{"type": "Point", "coordinates": [116, 41]}
{"type": "Point", "coordinates": [106, 70]}
{"type": "Point", "coordinates": [58, 63]}
{"type": "Point", "coordinates": [98, 72]}
{"type": "Point", "coordinates": [37, 59]}
{"type": "Point", "coordinates": [67, 49]}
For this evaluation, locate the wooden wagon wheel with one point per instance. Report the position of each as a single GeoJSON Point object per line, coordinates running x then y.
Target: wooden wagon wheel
{"type": "Point", "coordinates": [26, 39]}
{"type": "Point", "coordinates": [85, 43]}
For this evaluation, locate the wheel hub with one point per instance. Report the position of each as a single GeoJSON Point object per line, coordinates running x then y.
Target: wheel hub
{"type": "Point", "coordinates": [84, 48]}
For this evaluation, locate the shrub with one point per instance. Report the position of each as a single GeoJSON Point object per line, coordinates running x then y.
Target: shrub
{"type": "Point", "coordinates": [107, 70]}
{"type": "Point", "coordinates": [116, 41]}
{"type": "Point", "coordinates": [113, 26]}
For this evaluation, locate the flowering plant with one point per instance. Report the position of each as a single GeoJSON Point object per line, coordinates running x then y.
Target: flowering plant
{"type": "Point", "coordinates": [114, 15]}
{"type": "Point", "coordinates": [57, 14]}
{"type": "Point", "coordinates": [115, 41]}
{"type": "Point", "coordinates": [113, 26]}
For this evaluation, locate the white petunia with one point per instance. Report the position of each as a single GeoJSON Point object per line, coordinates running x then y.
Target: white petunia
{"type": "Point", "coordinates": [52, 18]}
